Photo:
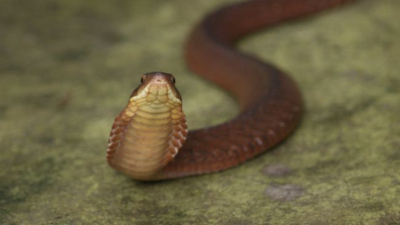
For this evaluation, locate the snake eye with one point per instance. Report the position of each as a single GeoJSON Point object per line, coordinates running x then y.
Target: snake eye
{"type": "Point", "coordinates": [143, 78]}
{"type": "Point", "coordinates": [173, 79]}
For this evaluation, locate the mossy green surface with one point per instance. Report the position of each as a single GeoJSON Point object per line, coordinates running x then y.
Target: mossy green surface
{"type": "Point", "coordinates": [67, 69]}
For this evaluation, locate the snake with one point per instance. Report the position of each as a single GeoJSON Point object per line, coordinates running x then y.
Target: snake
{"type": "Point", "coordinates": [150, 140]}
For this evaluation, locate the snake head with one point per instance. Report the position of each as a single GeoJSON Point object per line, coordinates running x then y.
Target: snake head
{"type": "Point", "coordinates": [157, 80]}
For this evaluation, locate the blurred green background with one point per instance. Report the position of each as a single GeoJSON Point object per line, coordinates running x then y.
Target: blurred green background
{"type": "Point", "coordinates": [67, 68]}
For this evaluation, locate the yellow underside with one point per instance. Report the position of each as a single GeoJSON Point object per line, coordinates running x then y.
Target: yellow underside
{"type": "Point", "coordinates": [149, 141]}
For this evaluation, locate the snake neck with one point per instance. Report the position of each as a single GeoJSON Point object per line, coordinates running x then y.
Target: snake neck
{"type": "Point", "coordinates": [148, 132]}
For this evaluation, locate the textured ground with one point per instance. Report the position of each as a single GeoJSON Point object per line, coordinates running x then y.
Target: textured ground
{"type": "Point", "coordinates": [68, 67]}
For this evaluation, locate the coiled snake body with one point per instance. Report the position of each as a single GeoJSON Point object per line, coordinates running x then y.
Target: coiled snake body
{"type": "Point", "coordinates": [147, 135]}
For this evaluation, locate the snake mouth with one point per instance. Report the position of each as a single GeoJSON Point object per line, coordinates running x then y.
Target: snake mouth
{"type": "Point", "coordinates": [158, 87]}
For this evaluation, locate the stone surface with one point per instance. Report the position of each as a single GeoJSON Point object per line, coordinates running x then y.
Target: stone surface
{"type": "Point", "coordinates": [68, 67]}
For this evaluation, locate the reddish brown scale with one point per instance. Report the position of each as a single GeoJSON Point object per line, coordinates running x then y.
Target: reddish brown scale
{"type": "Point", "coordinates": [271, 105]}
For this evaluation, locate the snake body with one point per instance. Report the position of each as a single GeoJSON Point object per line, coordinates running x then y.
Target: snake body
{"type": "Point", "coordinates": [148, 133]}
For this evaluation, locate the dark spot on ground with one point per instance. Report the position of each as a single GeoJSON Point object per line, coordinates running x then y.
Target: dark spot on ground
{"type": "Point", "coordinates": [72, 54]}
{"type": "Point", "coordinates": [3, 110]}
{"type": "Point", "coordinates": [339, 113]}
{"type": "Point", "coordinates": [236, 221]}
{"type": "Point", "coordinates": [373, 207]}
{"type": "Point", "coordinates": [126, 200]}
{"type": "Point", "coordinates": [286, 192]}
{"type": "Point", "coordinates": [395, 156]}
{"type": "Point", "coordinates": [389, 219]}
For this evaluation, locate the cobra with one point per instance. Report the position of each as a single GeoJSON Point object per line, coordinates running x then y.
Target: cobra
{"type": "Point", "coordinates": [149, 139]}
